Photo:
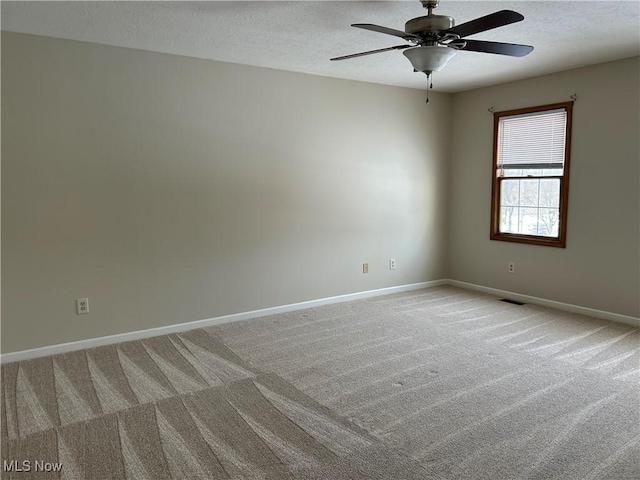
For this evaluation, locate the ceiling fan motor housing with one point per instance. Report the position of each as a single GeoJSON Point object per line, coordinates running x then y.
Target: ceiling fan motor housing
{"type": "Point", "coordinates": [429, 24]}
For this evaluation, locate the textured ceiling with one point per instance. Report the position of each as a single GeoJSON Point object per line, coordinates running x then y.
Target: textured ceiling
{"type": "Point", "coordinates": [301, 36]}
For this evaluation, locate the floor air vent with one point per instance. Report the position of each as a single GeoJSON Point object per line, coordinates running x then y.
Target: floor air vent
{"type": "Point", "coordinates": [515, 302]}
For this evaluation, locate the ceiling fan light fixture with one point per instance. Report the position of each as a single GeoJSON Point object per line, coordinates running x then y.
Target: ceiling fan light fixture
{"type": "Point", "coordinates": [429, 58]}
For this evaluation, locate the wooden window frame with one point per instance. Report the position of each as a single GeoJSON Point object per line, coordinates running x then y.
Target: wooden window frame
{"type": "Point", "coordinates": [561, 240]}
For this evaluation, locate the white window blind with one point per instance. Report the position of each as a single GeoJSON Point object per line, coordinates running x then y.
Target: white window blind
{"type": "Point", "coordinates": [532, 141]}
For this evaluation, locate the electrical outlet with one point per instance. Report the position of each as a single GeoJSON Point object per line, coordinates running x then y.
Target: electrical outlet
{"type": "Point", "coordinates": [82, 306]}
{"type": "Point", "coordinates": [365, 268]}
{"type": "Point", "coordinates": [511, 268]}
{"type": "Point", "coordinates": [392, 264]}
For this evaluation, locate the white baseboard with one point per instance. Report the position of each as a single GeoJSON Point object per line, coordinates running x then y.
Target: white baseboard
{"type": "Point", "coordinates": [181, 327]}
{"type": "Point", "coordinates": [614, 317]}
{"type": "Point", "coordinates": [208, 322]}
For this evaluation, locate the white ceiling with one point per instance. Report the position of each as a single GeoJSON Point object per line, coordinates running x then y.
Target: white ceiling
{"type": "Point", "coordinates": [301, 36]}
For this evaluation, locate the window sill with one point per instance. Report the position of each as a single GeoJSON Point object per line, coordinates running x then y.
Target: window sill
{"type": "Point", "coordinates": [530, 239]}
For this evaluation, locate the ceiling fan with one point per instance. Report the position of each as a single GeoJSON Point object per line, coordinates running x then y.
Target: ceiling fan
{"type": "Point", "coordinates": [434, 39]}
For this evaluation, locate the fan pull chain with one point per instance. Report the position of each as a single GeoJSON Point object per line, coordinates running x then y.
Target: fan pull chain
{"type": "Point", "coordinates": [429, 86]}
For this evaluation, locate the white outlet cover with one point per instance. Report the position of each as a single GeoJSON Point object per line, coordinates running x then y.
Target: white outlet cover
{"type": "Point", "coordinates": [82, 306]}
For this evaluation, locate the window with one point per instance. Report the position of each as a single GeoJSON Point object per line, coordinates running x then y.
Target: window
{"type": "Point", "coordinates": [531, 175]}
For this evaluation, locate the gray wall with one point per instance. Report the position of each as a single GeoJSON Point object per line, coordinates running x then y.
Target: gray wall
{"type": "Point", "coordinates": [600, 268]}
{"type": "Point", "coordinates": [170, 189]}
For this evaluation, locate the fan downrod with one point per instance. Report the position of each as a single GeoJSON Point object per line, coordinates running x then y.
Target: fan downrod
{"type": "Point", "coordinates": [429, 5]}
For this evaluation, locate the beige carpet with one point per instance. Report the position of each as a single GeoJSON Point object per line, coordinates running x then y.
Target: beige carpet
{"type": "Point", "coordinates": [440, 383]}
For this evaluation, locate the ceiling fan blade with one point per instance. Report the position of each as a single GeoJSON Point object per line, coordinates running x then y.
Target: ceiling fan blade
{"type": "Point", "coordinates": [388, 31]}
{"type": "Point", "coordinates": [511, 49]}
{"type": "Point", "coordinates": [488, 22]}
{"type": "Point", "coordinates": [370, 52]}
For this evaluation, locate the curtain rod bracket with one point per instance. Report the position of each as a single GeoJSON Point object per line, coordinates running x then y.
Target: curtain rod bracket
{"type": "Point", "coordinates": [490, 109]}
{"type": "Point", "coordinates": [574, 96]}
